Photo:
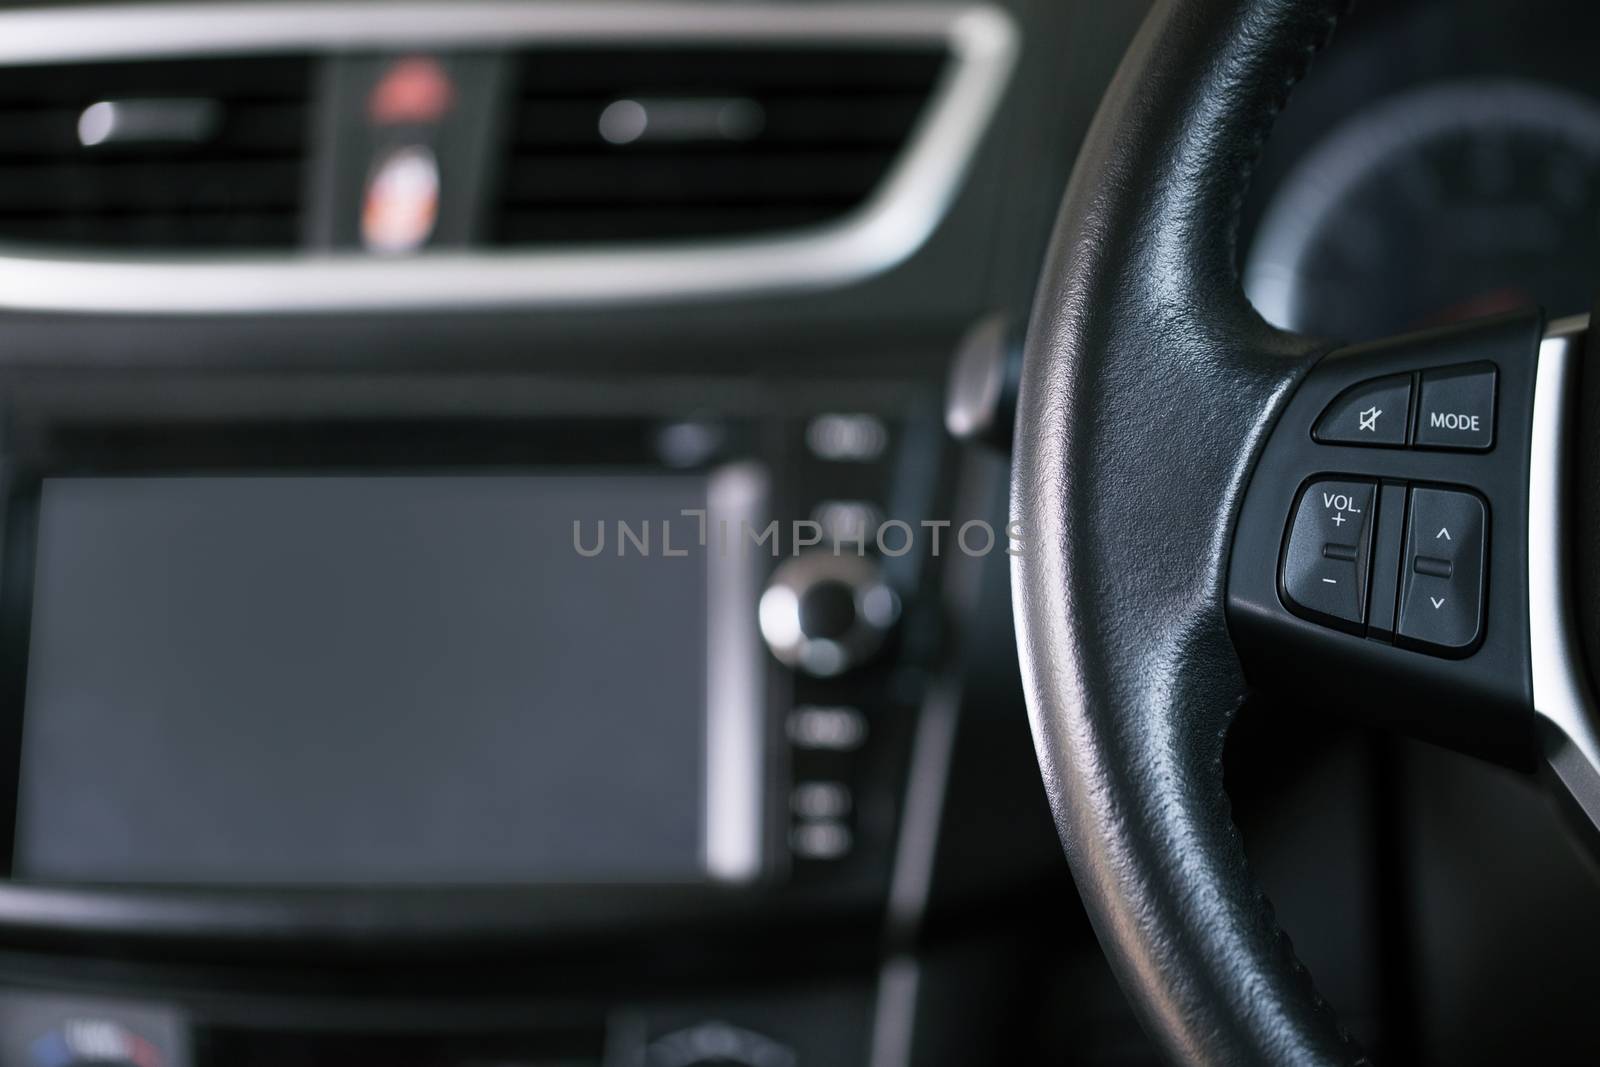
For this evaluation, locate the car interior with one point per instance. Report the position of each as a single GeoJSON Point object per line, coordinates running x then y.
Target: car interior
{"type": "Point", "coordinates": [798, 533]}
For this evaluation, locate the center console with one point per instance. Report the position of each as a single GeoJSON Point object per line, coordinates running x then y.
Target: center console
{"type": "Point", "coordinates": [316, 673]}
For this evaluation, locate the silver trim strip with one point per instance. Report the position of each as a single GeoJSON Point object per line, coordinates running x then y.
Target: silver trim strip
{"type": "Point", "coordinates": [894, 1020]}
{"type": "Point", "coordinates": [927, 785]}
{"type": "Point", "coordinates": [735, 682]}
{"type": "Point", "coordinates": [1560, 694]}
{"type": "Point", "coordinates": [884, 232]}
{"type": "Point", "coordinates": [895, 1011]}
{"type": "Point", "coordinates": [931, 753]}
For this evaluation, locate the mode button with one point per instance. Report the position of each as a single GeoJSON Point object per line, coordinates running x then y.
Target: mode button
{"type": "Point", "coordinates": [1456, 408]}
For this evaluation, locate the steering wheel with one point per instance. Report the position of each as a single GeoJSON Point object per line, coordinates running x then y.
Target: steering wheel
{"type": "Point", "coordinates": [1212, 508]}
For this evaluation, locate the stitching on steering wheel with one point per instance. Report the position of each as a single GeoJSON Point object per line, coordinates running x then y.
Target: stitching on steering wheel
{"type": "Point", "coordinates": [1258, 139]}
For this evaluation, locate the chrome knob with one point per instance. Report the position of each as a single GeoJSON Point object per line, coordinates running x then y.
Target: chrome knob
{"type": "Point", "coordinates": [824, 614]}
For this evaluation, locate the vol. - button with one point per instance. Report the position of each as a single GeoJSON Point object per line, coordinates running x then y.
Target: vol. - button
{"type": "Point", "coordinates": [1325, 560]}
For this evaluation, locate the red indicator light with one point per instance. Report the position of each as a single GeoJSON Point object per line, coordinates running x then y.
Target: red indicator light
{"type": "Point", "coordinates": [415, 90]}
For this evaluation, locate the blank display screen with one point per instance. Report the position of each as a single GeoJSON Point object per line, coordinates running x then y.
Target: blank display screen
{"type": "Point", "coordinates": [361, 680]}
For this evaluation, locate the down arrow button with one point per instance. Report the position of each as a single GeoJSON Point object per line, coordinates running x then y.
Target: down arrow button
{"type": "Point", "coordinates": [1441, 591]}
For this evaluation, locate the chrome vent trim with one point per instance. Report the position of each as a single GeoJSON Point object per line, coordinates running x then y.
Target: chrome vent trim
{"type": "Point", "coordinates": [886, 230]}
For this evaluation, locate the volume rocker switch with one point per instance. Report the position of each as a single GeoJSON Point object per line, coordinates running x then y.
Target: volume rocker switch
{"type": "Point", "coordinates": [1328, 552]}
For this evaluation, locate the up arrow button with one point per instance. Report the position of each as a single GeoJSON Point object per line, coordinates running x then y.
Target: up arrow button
{"type": "Point", "coordinates": [1441, 587]}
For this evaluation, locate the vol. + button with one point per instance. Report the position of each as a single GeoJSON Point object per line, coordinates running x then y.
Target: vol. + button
{"type": "Point", "coordinates": [1325, 560]}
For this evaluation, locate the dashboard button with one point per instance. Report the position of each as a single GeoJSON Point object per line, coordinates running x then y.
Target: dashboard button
{"type": "Point", "coordinates": [1456, 408]}
{"type": "Point", "coordinates": [1328, 552]}
{"type": "Point", "coordinates": [827, 729]}
{"type": "Point", "coordinates": [820, 800]}
{"type": "Point", "coordinates": [1372, 413]}
{"type": "Point", "coordinates": [1441, 589]}
{"type": "Point", "coordinates": [823, 839]}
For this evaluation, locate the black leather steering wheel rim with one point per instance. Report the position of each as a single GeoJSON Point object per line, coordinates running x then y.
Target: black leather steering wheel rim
{"type": "Point", "coordinates": [1149, 386]}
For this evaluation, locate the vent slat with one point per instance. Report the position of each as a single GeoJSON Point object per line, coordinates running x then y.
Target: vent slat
{"type": "Point", "coordinates": [238, 185]}
{"type": "Point", "coordinates": [245, 129]}
{"type": "Point", "coordinates": [151, 186]}
{"type": "Point", "coordinates": [818, 129]}
{"type": "Point", "coordinates": [240, 78]}
{"type": "Point", "coordinates": [676, 179]}
{"type": "Point", "coordinates": [622, 224]}
{"type": "Point", "coordinates": [841, 71]}
{"type": "Point", "coordinates": [820, 122]}
{"type": "Point", "coordinates": [199, 230]}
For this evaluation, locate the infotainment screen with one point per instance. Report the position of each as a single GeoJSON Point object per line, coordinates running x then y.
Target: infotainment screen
{"type": "Point", "coordinates": [381, 680]}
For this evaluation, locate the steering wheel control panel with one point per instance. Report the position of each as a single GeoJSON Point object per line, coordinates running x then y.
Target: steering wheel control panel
{"type": "Point", "coordinates": [1454, 410]}
{"type": "Point", "coordinates": [1389, 561]}
{"type": "Point", "coordinates": [1383, 537]}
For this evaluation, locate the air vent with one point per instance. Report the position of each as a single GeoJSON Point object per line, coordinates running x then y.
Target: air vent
{"type": "Point", "coordinates": [185, 154]}
{"type": "Point", "coordinates": [655, 145]}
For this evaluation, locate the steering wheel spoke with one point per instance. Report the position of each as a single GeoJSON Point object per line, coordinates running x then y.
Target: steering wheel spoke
{"type": "Point", "coordinates": [1422, 573]}
{"type": "Point", "coordinates": [1381, 561]}
{"type": "Point", "coordinates": [1563, 539]}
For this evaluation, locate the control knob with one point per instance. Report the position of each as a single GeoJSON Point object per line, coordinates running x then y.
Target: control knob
{"type": "Point", "coordinates": [824, 613]}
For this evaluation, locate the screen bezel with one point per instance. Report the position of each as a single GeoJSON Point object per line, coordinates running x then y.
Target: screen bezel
{"type": "Point", "coordinates": [740, 812]}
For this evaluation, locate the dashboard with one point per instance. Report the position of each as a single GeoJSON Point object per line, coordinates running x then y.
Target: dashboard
{"type": "Point", "coordinates": [487, 576]}
{"type": "Point", "coordinates": [522, 406]}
